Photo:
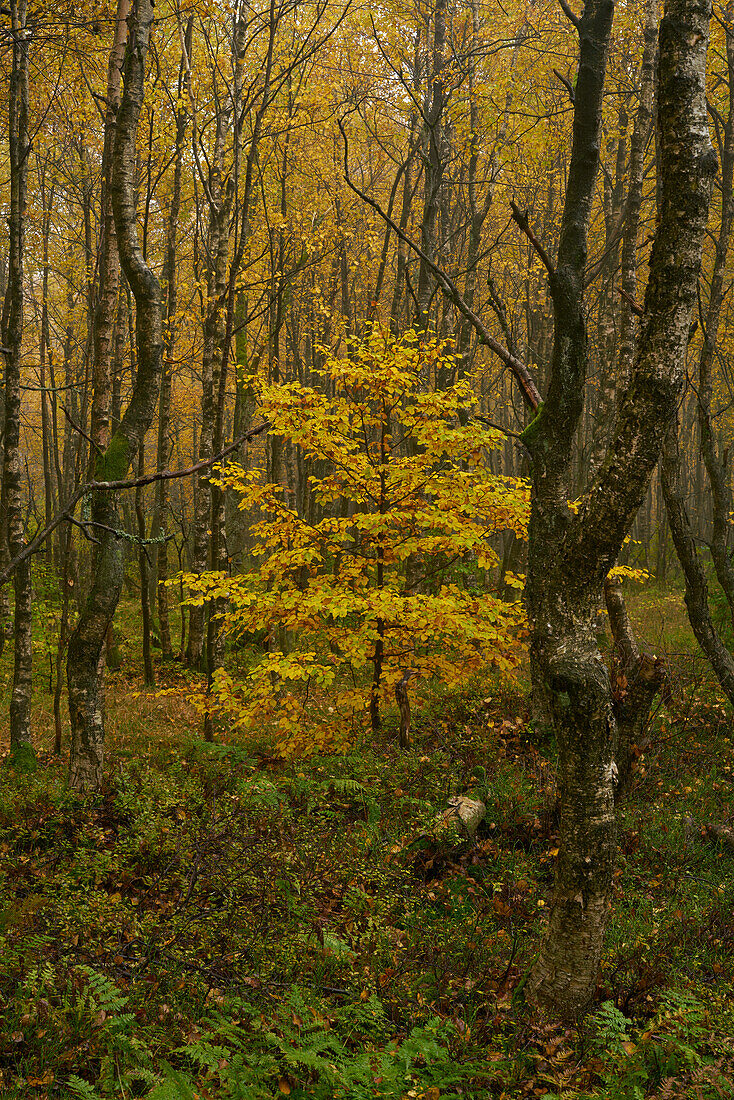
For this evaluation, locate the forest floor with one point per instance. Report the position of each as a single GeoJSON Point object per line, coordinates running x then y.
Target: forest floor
{"type": "Point", "coordinates": [220, 923]}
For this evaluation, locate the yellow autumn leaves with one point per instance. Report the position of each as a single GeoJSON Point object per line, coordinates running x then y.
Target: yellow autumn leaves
{"type": "Point", "coordinates": [387, 558]}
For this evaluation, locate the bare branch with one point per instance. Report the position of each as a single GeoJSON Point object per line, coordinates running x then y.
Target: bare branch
{"type": "Point", "coordinates": [570, 15]}
{"type": "Point", "coordinates": [81, 432]}
{"type": "Point", "coordinates": [67, 516]}
{"type": "Point", "coordinates": [567, 85]}
{"type": "Point", "coordinates": [522, 220]}
{"type": "Point", "coordinates": [83, 528]}
{"type": "Point", "coordinates": [530, 391]}
{"type": "Point", "coordinates": [634, 306]}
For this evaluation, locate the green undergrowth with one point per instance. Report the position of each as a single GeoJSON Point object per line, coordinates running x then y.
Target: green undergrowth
{"type": "Point", "coordinates": [219, 923]}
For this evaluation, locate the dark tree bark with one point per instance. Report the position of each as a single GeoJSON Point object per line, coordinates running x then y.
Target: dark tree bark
{"type": "Point", "coordinates": [570, 555]}
{"type": "Point", "coordinates": [86, 702]}
{"type": "Point", "coordinates": [403, 700]}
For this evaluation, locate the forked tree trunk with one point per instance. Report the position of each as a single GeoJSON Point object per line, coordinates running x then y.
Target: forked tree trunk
{"type": "Point", "coordinates": [570, 555]}
{"type": "Point", "coordinates": [86, 703]}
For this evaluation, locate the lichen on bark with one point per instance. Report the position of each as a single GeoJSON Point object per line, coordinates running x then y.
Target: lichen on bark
{"type": "Point", "coordinates": [570, 555]}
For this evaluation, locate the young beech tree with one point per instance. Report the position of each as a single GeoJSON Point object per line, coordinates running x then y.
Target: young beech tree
{"type": "Point", "coordinates": [407, 482]}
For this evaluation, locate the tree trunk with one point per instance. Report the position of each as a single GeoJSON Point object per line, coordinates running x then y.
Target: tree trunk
{"type": "Point", "coordinates": [164, 414]}
{"type": "Point", "coordinates": [20, 701]}
{"type": "Point", "coordinates": [217, 254]}
{"type": "Point", "coordinates": [570, 555]}
{"type": "Point", "coordinates": [716, 461]}
{"type": "Point", "coordinates": [108, 262]}
{"type": "Point", "coordinates": [65, 548]}
{"type": "Point", "coordinates": [638, 144]}
{"type": "Point", "coordinates": [86, 700]}
{"type": "Point", "coordinates": [433, 163]}
{"type": "Point", "coordinates": [144, 569]}
{"type": "Point", "coordinates": [696, 587]}
{"type": "Point", "coordinates": [49, 488]}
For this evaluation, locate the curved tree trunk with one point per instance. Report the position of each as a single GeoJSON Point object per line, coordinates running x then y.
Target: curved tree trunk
{"type": "Point", "coordinates": [86, 701]}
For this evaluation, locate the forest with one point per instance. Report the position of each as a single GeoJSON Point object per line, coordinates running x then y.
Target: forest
{"type": "Point", "coordinates": [366, 549]}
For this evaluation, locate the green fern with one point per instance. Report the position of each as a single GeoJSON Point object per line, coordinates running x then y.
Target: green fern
{"type": "Point", "coordinates": [39, 977]}
{"type": "Point", "coordinates": [104, 991]}
{"type": "Point", "coordinates": [610, 1029]}
{"type": "Point", "coordinates": [205, 1054]}
{"type": "Point", "coordinates": [303, 1045]}
{"type": "Point", "coordinates": [144, 1075]}
{"type": "Point", "coordinates": [346, 786]}
{"type": "Point", "coordinates": [175, 1087]}
{"type": "Point", "coordinates": [82, 1088]}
